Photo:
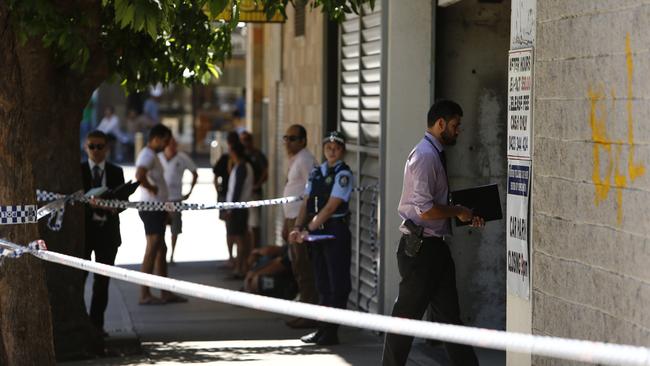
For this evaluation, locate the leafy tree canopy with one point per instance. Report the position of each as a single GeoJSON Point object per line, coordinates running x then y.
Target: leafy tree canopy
{"type": "Point", "coordinates": [146, 41]}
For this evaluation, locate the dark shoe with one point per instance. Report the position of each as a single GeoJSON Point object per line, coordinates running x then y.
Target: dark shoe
{"type": "Point", "coordinates": [312, 337]}
{"type": "Point", "coordinates": [301, 323]}
{"type": "Point", "coordinates": [329, 338]}
{"type": "Point", "coordinates": [173, 298]}
{"type": "Point", "coordinates": [151, 300]}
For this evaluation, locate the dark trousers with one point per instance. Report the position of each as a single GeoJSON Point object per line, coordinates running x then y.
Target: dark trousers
{"type": "Point", "coordinates": [103, 254]}
{"type": "Point", "coordinates": [427, 279]}
{"type": "Point", "coordinates": [331, 262]}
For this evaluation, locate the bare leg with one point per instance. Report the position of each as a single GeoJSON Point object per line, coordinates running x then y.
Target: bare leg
{"type": "Point", "coordinates": [243, 251]}
{"type": "Point", "coordinates": [174, 239]}
{"type": "Point", "coordinates": [230, 240]}
{"type": "Point", "coordinates": [154, 243]}
{"type": "Point", "coordinates": [254, 288]}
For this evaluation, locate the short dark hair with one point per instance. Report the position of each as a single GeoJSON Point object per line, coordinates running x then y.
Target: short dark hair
{"type": "Point", "coordinates": [97, 134]}
{"type": "Point", "coordinates": [238, 149]}
{"type": "Point", "coordinates": [302, 133]}
{"type": "Point", "coordinates": [159, 130]}
{"type": "Point", "coordinates": [245, 134]}
{"type": "Point", "coordinates": [232, 138]}
{"type": "Point", "coordinates": [445, 109]}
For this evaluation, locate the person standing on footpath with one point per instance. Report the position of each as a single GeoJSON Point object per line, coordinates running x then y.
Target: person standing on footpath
{"type": "Point", "coordinates": [301, 163]}
{"type": "Point", "coordinates": [149, 172]}
{"type": "Point", "coordinates": [423, 258]}
{"type": "Point", "coordinates": [175, 163]}
{"type": "Point", "coordinates": [326, 212]}
{"type": "Point", "coordinates": [240, 189]}
{"type": "Point", "coordinates": [102, 225]}
{"type": "Point", "coordinates": [221, 170]}
{"type": "Point", "coordinates": [260, 165]}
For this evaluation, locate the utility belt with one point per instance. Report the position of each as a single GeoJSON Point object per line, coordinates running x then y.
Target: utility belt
{"type": "Point", "coordinates": [332, 220]}
{"type": "Point", "coordinates": [414, 240]}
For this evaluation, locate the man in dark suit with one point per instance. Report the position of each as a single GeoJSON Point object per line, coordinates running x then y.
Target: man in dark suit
{"type": "Point", "coordinates": [102, 225]}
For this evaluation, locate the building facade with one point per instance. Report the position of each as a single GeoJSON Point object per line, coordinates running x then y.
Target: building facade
{"type": "Point", "coordinates": [585, 242]}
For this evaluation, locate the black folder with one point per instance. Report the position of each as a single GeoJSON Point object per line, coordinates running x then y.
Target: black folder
{"type": "Point", "coordinates": [121, 192]}
{"type": "Point", "coordinates": [483, 200]}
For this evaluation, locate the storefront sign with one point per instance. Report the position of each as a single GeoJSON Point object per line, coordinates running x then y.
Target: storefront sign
{"type": "Point", "coordinates": [520, 102]}
{"type": "Point", "coordinates": [517, 228]}
{"type": "Point", "coordinates": [251, 11]}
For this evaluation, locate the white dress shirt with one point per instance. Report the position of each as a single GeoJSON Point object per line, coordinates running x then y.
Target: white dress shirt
{"type": "Point", "coordinates": [300, 165]}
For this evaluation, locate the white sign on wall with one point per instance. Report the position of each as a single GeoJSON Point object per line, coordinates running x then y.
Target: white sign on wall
{"type": "Point", "coordinates": [520, 102]}
{"type": "Point", "coordinates": [517, 228]}
{"type": "Point", "coordinates": [522, 23]}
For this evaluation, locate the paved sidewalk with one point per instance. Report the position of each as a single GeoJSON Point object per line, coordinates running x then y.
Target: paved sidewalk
{"type": "Point", "coordinates": [209, 333]}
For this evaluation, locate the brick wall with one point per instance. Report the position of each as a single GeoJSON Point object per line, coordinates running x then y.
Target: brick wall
{"type": "Point", "coordinates": [295, 95]}
{"type": "Point", "coordinates": [591, 188]}
{"type": "Point", "coordinates": [302, 69]}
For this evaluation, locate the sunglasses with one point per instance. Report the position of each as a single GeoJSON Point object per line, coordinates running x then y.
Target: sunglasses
{"type": "Point", "coordinates": [290, 138]}
{"type": "Point", "coordinates": [96, 146]}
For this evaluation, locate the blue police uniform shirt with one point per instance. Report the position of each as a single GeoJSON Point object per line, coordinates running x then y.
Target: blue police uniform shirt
{"type": "Point", "coordinates": [343, 183]}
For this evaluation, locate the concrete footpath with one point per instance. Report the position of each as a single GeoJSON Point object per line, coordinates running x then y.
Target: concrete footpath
{"type": "Point", "coordinates": [210, 333]}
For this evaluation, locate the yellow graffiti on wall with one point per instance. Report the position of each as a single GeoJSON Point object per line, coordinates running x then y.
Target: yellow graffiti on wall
{"type": "Point", "coordinates": [602, 176]}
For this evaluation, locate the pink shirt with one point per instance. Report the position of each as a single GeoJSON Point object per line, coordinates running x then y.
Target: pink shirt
{"type": "Point", "coordinates": [425, 183]}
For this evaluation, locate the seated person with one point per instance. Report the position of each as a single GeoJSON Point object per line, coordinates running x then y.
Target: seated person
{"type": "Point", "coordinates": [270, 272]}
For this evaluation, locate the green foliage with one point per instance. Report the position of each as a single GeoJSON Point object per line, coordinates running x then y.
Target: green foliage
{"type": "Point", "coordinates": [338, 8]}
{"type": "Point", "coordinates": [145, 41]}
{"type": "Point", "coordinates": [165, 41]}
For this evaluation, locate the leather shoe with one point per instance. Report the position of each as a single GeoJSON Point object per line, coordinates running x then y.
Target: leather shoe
{"type": "Point", "coordinates": [301, 323]}
{"type": "Point", "coordinates": [328, 338]}
{"type": "Point", "coordinates": [312, 337]}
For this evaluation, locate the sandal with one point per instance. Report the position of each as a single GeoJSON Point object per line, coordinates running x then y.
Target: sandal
{"type": "Point", "coordinates": [152, 300]}
{"type": "Point", "coordinates": [173, 298]}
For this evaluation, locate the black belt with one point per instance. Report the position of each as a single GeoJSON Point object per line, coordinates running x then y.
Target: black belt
{"type": "Point", "coordinates": [433, 238]}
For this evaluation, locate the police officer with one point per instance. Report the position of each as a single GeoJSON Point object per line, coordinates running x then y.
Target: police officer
{"type": "Point", "coordinates": [326, 211]}
{"type": "Point", "coordinates": [423, 258]}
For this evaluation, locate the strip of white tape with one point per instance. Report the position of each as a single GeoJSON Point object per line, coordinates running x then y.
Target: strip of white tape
{"type": "Point", "coordinates": [570, 349]}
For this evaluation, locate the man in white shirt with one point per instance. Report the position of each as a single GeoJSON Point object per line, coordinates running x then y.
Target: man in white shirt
{"type": "Point", "coordinates": [301, 162]}
{"type": "Point", "coordinates": [110, 125]}
{"type": "Point", "coordinates": [174, 164]}
{"type": "Point", "coordinates": [149, 172]}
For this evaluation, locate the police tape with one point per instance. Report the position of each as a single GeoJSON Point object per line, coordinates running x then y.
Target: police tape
{"type": "Point", "coordinates": [45, 196]}
{"type": "Point", "coordinates": [570, 349]}
{"type": "Point", "coordinates": [19, 214]}
{"type": "Point", "coordinates": [57, 202]}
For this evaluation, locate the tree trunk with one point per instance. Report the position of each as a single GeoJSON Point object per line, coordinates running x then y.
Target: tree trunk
{"type": "Point", "coordinates": [25, 326]}
{"type": "Point", "coordinates": [40, 112]}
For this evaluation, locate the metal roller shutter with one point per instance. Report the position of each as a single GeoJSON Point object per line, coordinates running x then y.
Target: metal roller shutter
{"type": "Point", "coordinates": [359, 119]}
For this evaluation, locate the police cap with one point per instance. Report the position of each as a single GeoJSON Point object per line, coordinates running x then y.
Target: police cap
{"type": "Point", "coordinates": [334, 136]}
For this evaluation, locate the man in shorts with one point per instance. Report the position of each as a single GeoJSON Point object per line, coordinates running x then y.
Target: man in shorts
{"type": "Point", "coordinates": [149, 172]}
{"type": "Point", "coordinates": [174, 164]}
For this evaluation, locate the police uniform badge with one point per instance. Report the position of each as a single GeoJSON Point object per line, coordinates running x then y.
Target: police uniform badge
{"type": "Point", "coordinates": [328, 180]}
{"type": "Point", "coordinates": [344, 180]}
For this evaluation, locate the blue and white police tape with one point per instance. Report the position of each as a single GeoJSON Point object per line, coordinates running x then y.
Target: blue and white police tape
{"type": "Point", "coordinates": [45, 196]}
{"type": "Point", "coordinates": [165, 206]}
{"type": "Point", "coordinates": [20, 214]}
{"type": "Point", "coordinates": [570, 349]}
